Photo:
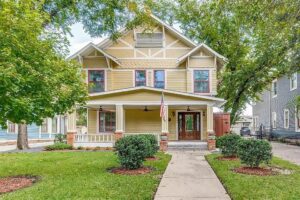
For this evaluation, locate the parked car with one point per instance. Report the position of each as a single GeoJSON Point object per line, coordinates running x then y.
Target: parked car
{"type": "Point", "coordinates": [245, 131]}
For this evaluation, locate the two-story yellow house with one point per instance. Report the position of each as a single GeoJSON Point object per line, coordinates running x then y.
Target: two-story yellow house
{"type": "Point", "coordinates": [127, 78]}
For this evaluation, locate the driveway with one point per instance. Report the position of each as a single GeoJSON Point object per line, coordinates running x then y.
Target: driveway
{"type": "Point", "coordinates": [287, 152]}
{"type": "Point", "coordinates": [189, 176]}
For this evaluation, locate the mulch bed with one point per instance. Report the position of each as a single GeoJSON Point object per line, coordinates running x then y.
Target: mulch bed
{"type": "Point", "coordinates": [139, 171]}
{"type": "Point", "coordinates": [12, 183]}
{"type": "Point", "coordinates": [228, 158]}
{"type": "Point", "coordinates": [152, 158]}
{"type": "Point", "coordinates": [256, 171]}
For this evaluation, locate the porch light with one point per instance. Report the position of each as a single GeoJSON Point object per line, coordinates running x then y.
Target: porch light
{"type": "Point", "coordinates": [188, 109]}
{"type": "Point", "coordinates": [100, 109]}
{"type": "Point", "coordinates": [173, 114]}
{"type": "Point", "coordinates": [203, 113]}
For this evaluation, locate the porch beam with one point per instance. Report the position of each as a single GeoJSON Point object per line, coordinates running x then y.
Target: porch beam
{"type": "Point", "coordinates": [165, 121]}
{"type": "Point", "coordinates": [210, 119]}
{"type": "Point", "coordinates": [71, 125]}
{"type": "Point", "coordinates": [119, 118]}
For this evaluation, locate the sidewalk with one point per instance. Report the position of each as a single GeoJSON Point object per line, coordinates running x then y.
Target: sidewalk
{"type": "Point", "coordinates": [34, 146]}
{"type": "Point", "coordinates": [189, 176]}
{"type": "Point", "coordinates": [287, 152]}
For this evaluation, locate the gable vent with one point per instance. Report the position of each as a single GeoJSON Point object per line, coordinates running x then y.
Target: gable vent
{"type": "Point", "coordinates": [149, 40]}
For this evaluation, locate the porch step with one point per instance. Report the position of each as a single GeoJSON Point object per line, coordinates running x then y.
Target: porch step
{"type": "Point", "coordinates": [187, 145]}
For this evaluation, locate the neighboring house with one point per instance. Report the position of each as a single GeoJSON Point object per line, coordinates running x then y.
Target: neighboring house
{"type": "Point", "coordinates": [243, 121]}
{"type": "Point", "coordinates": [277, 109]}
{"type": "Point", "coordinates": [48, 129]}
{"type": "Point", "coordinates": [127, 77]}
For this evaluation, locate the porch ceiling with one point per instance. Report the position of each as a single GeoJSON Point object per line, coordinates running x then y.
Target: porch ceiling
{"type": "Point", "coordinates": [151, 96]}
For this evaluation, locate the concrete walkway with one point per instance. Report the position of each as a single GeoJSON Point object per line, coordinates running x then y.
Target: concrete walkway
{"type": "Point", "coordinates": [287, 152]}
{"type": "Point", "coordinates": [34, 147]}
{"type": "Point", "coordinates": [189, 176]}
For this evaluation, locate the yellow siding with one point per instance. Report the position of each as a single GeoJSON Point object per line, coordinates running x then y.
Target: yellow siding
{"type": "Point", "coordinates": [109, 80]}
{"type": "Point", "coordinates": [98, 62]}
{"type": "Point", "coordinates": [172, 125]}
{"type": "Point", "coordinates": [122, 79]}
{"type": "Point", "coordinates": [176, 80]}
{"type": "Point", "coordinates": [189, 78]}
{"type": "Point", "coordinates": [214, 81]}
{"type": "Point", "coordinates": [201, 62]}
{"type": "Point", "coordinates": [92, 121]}
{"type": "Point", "coordinates": [138, 121]}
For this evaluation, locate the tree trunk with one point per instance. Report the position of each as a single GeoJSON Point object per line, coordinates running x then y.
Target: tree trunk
{"type": "Point", "coordinates": [22, 142]}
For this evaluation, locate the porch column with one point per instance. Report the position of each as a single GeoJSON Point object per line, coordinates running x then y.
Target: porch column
{"type": "Point", "coordinates": [119, 121]}
{"type": "Point", "coordinates": [71, 127]}
{"type": "Point", "coordinates": [164, 130]}
{"type": "Point", "coordinates": [211, 140]}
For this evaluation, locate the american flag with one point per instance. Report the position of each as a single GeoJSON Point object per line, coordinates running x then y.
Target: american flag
{"type": "Point", "coordinates": [162, 107]}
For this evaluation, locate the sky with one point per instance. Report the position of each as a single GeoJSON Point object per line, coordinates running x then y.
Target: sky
{"type": "Point", "coordinates": [81, 38]}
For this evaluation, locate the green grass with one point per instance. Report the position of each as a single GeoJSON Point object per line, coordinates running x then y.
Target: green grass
{"type": "Point", "coordinates": [256, 187]}
{"type": "Point", "coordinates": [79, 175]}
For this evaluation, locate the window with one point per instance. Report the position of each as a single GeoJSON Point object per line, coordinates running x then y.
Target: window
{"type": "Point", "coordinates": [159, 79]}
{"type": "Point", "coordinates": [107, 122]}
{"type": "Point", "coordinates": [140, 78]}
{"type": "Point", "coordinates": [201, 81]}
{"type": "Point", "coordinates": [153, 40]}
{"type": "Point", "coordinates": [96, 81]}
{"type": "Point", "coordinates": [286, 118]}
{"type": "Point", "coordinates": [11, 127]}
{"type": "Point", "coordinates": [274, 119]}
{"type": "Point", "coordinates": [274, 88]}
{"type": "Point", "coordinates": [297, 119]}
{"type": "Point", "coordinates": [189, 122]}
{"type": "Point", "coordinates": [54, 125]}
{"type": "Point", "coordinates": [293, 81]}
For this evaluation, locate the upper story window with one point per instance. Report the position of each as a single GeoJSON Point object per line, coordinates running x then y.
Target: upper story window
{"type": "Point", "coordinates": [107, 122]}
{"type": "Point", "coordinates": [274, 88]}
{"type": "Point", "coordinates": [140, 78]}
{"type": "Point", "coordinates": [96, 80]}
{"type": "Point", "coordinates": [201, 81]}
{"type": "Point", "coordinates": [149, 40]}
{"type": "Point", "coordinates": [293, 81]}
{"type": "Point", "coordinates": [159, 79]}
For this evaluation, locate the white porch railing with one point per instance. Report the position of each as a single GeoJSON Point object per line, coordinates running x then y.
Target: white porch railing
{"type": "Point", "coordinates": [157, 135]}
{"type": "Point", "coordinates": [94, 138]}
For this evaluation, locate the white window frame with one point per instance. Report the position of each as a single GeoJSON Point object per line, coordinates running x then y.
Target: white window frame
{"type": "Point", "coordinates": [272, 89]}
{"type": "Point", "coordinates": [274, 120]}
{"type": "Point", "coordinates": [291, 81]}
{"type": "Point", "coordinates": [286, 118]}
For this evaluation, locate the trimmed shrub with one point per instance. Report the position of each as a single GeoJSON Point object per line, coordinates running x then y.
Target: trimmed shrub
{"type": "Point", "coordinates": [60, 138]}
{"type": "Point", "coordinates": [58, 146]}
{"type": "Point", "coordinates": [131, 151]}
{"type": "Point", "coordinates": [153, 147]}
{"type": "Point", "coordinates": [228, 144]}
{"type": "Point", "coordinates": [254, 152]}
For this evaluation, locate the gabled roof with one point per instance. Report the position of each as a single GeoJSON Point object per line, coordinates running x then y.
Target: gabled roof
{"type": "Point", "coordinates": [182, 58]}
{"type": "Point", "coordinates": [92, 45]}
{"type": "Point", "coordinates": [158, 90]}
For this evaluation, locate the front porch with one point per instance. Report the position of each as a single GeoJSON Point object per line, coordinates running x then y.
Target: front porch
{"type": "Point", "coordinates": [114, 115]}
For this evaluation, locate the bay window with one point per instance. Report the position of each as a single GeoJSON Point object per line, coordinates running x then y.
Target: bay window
{"type": "Point", "coordinates": [140, 78]}
{"type": "Point", "coordinates": [159, 79]}
{"type": "Point", "coordinates": [201, 81]}
{"type": "Point", "coordinates": [107, 122]}
{"type": "Point", "coordinates": [96, 79]}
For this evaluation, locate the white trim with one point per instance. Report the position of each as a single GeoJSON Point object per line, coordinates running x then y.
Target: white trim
{"type": "Point", "coordinates": [290, 79]}
{"type": "Point", "coordinates": [156, 90]}
{"type": "Point", "coordinates": [201, 122]}
{"type": "Point", "coordinates": [286, 126]}
{"type": "Point", "coordinates": [182, 58]}
{"type": "Point", "coordinates": [149, 103]}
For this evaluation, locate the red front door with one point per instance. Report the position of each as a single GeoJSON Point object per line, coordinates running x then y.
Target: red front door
{"type": "Point", "coordinates": [189, 125]}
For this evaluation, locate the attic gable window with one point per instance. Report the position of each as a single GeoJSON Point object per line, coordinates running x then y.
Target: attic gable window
{"type": "Point", "coordinates": [149, 40]}
{"type": "Point", "coordinates": [96, 80]}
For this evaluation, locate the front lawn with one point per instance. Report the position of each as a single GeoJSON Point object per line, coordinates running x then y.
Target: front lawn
{"type": "Point", "coordinates": [79, 175]}
{"type": "Point", "coordinates": [256, 187]}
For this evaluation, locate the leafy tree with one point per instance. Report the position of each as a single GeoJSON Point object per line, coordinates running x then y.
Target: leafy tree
{"type": "Point", "coordinates": [35, 80]}
{"type": "Point", "coordinates": [259, 38]}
